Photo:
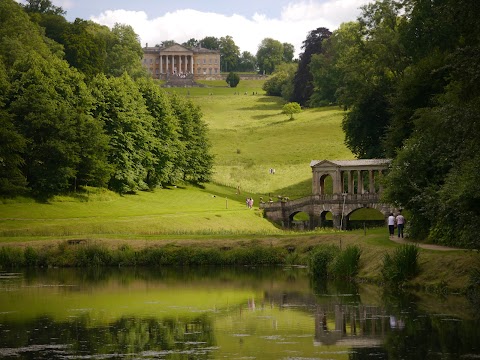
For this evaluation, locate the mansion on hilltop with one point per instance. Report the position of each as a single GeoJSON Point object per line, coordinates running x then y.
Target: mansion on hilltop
{"type": "Point", "coordinates": [181, 61]}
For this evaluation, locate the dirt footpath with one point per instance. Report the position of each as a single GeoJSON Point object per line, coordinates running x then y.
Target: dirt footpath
{"type": "Point", "coordinates": [423, 246]}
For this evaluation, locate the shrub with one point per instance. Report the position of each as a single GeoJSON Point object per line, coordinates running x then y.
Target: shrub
{"type": "Point", "coordinates": [401, 266]}
{"type": "Point", "coordinates": [232, 79]}
{"type": "Point", "coordinates": [347, 263]}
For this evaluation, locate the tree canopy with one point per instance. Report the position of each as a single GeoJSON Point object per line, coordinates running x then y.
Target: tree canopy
{"type": "Point", "coordinates": [87, 115]}
{"type": "Point", "coordinates": [272, 53]}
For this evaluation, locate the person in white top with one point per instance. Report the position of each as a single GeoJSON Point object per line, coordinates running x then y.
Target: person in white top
{"type": "Point", "coordinates": [391, 224]}
{"type": "Point", "coordinates": [400, 224]}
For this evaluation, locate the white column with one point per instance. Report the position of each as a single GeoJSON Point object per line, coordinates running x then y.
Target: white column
{"type": "Point", "coordinates": [161, 64]}
{"type": "Point", "coordinates": [191, 64]}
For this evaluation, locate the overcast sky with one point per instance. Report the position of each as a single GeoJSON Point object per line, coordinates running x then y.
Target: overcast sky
{"type": "Point", "coordinates": [248, 22]}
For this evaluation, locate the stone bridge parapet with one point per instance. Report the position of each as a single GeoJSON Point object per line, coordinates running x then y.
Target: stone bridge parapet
{"type": "Point", "coordinates": [353, 188]}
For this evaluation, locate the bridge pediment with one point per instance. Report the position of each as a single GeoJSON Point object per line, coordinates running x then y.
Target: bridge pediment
{"type": "Point", "coordinates": [320, 164]}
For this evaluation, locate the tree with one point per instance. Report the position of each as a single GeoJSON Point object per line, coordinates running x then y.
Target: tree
{"type": "Point", "coordinates": [288, 52]}
{"type": "Point", "coordinates": [280, 83]}
{"type": "Point", "coordinates": [195, 162]}
{"type": "Point", "coordinates": [233, 79]}
{"type": "Point", "coordinates": [168, 43]}
{"type": "Point", "coordinates": [85, 45]}
{"type": "Point", "coordinates": [125, 53]}
{"type": "Point", "coordinates": [166, 129]}
{"type": "Point", "coordinates": [247, 62]}
{"type": "Point", "coordinates": [303, 81]}
{"type": "Point", "coordinates": [291, 108]}
{"type": "Point", "coordinates": [229, 52]}
{"type": "Point", "coordinates": [120, 106]}
{"type": "Point", "coordinates": [210, 42]}
{"type": "Point", "coordinates": [12, 146]}
{"type": "Point", "coordinates": [191, 43]}
{"type": "Point", "coordinates": [43, 7]}
{"type": "Point", "coordinates": [269, 55]}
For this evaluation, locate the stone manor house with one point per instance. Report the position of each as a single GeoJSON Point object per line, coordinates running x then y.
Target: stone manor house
{"type": "Point", "coordinates": [182, 62]}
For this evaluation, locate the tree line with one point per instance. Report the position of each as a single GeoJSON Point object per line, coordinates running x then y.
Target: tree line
{"type": "Point", "coordinates": [408, 73]}
{"type": "Point", "coordinates": [77, 108]}
{"type": "Point", "coordinates": [270, 53]}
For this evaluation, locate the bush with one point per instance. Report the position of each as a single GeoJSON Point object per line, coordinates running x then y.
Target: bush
{"type": "Point", "coordinates": [232, 79]}
{"type": "Point", "coordinates": [401, 266]}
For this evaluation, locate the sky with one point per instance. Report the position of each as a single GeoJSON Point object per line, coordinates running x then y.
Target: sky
{"type": "Point", "coordinates": [248, 22]}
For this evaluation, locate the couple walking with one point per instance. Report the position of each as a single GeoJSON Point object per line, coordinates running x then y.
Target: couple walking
{"type": "Point", "coordinates": [398, 222]}
{"type": "Point", "coordinates": [249, 202]}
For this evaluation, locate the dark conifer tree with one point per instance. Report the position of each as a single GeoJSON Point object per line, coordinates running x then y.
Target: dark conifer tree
{"type": "Point", "coordinates": [303, 81]}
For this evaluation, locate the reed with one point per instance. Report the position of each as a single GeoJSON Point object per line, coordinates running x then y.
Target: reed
{"type": "Point", "coordinates": [347, 262]}
{"type": "Point", "coordinates": [400, 266]}
{"type": "Point", "coordinates": [97, 255]}
{"type": "Point", "coordinates": [320, 261]}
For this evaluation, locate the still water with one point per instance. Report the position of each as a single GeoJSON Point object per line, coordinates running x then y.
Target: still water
{"type": "Point", "coordinates": [218, 313]}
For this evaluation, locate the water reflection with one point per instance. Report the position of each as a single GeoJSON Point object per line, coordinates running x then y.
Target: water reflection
{"type": "Point", "coordinates": [232, 313]}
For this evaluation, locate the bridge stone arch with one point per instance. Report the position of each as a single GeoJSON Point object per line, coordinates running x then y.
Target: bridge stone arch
{"type": "Point", "coordinates": [355, 186]}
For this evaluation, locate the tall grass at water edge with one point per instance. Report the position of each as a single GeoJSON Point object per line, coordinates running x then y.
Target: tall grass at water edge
{"type": "Point", "coordinates": [92, 255]}
{"type": "Point", "coordinates": [331, 262]}
{"type": "Point", "coordinates": [401, 266]}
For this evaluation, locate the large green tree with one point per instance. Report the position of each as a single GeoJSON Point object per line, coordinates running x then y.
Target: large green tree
{"type": "Point", "coordinates": [210, 42]}
{"type": "Point", "coordinates": [195, 162]}
{"type": "Point", "coordinates": [269, 55]}
{"type": "Point", "coordinates": [120, 106]}
{"type": "Point", "coordinates": [166, 128]}
{"type": "Point", "coordinates": [247, 62]}
{"type": "Point", "coordinates": [280, 82]}
{"type": "Point", "coordinates": [229, 52]}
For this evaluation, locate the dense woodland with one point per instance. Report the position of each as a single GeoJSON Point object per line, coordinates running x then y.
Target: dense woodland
{"type": "Point", "coordinates": [77, 108]}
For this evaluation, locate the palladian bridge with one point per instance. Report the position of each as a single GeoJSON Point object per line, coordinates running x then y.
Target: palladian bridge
{"type": "Point", "coordinates": [354, 185]}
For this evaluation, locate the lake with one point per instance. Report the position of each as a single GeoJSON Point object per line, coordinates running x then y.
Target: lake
{"type": "Point", "coordinates": [224, 313]}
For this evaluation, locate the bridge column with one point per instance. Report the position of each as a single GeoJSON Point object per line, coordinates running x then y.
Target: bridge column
{"type": "Point", "coordinates": [315, 221]}
{"type": "Point", "coordinates": [371, 184]}
{"type": "Point", "coordinates": [360, 182]}
{"type": "Point", "coordinates": [337, 221]}
{"type": "Point", "coordinates": [350, 182]}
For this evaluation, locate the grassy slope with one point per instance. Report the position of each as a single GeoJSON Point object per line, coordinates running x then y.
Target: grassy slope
{"type": "Point", "coordinates": [249, 136]}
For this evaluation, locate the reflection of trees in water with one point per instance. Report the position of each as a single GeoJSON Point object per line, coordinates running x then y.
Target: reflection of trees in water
{"type": "Point", "coordinates": [128, 335]}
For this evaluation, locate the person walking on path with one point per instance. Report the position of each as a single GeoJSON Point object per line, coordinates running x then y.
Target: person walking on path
{"type": "Point", "coordinates": [391, 224]}
{"type": "Point", "coordinates": [400, 224]}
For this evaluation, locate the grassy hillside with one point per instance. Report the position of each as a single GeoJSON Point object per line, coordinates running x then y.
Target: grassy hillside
{"type": "Point", "coordinates": [250, 135]}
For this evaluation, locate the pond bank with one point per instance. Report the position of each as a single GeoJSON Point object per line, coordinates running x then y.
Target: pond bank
{"type": "Point", "coordinates": [440, 270]}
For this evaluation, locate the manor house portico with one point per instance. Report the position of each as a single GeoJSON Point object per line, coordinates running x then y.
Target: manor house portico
{"type": "Point", "coordinates": [178, 60]}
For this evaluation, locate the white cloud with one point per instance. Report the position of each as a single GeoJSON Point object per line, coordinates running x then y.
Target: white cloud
{"type": "Point", "coordinates": [296, 20]}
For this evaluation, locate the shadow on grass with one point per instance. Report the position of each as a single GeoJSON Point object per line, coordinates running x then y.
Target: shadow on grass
{"type": "Point", "coordinates": [266, 103]}
{"type": "Point", "coordinates": [295, 191]}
